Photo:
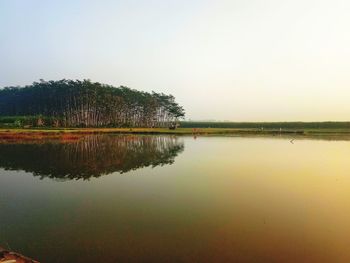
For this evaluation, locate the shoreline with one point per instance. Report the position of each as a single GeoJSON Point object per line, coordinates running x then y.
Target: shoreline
{"type": "Point", "coordinates": [72, 134]}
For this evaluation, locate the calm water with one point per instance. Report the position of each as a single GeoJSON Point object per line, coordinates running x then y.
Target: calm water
{"type": "Point", "coordinates": [177, 199]}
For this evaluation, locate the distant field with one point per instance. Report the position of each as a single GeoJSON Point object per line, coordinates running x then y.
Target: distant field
{"type": "Point", "coordinates": [268, 125]}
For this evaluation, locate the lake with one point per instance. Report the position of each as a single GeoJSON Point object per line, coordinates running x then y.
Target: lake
{"type": "Point", "coordinates": [125, 198]}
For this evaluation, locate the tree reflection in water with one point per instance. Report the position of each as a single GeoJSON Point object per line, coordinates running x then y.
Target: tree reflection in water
{"type": "Point", "coordinates": [92, 156]}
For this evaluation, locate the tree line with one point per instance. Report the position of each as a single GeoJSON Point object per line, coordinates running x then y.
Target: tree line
{"type": "Point", "coordinates": [75, 103]}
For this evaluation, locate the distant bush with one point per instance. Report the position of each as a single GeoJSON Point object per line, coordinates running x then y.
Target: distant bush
{"type": "Point", "coordinates": [30, 121]}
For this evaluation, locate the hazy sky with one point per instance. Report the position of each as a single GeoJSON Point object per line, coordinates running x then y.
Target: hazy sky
{"type": "Point", "coordinates": [239, 60]}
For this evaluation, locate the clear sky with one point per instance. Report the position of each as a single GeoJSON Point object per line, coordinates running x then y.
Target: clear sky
{"type": "Point", "coordinates": [239, 60]}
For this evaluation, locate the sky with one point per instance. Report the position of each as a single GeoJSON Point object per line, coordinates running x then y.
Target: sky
{"type": "Point", "coordinates": [238, 60]}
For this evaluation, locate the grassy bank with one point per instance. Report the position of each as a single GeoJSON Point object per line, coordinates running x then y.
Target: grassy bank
{"type": "Point", "coordinates": [76, 133]}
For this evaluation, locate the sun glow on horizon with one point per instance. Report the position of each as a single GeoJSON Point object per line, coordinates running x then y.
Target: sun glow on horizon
{"type": "Point", "coordinates": [224, 60]}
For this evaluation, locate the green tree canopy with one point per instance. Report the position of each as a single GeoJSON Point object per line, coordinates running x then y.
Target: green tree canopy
{"type": "Point", "coordinates": [73, 103]}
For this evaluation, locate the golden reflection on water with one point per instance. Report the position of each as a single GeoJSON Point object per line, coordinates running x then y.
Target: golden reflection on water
{"type": "Point", "coordinates": [276, 201]}
{"type": "Point", "coordinates": [223, 200]}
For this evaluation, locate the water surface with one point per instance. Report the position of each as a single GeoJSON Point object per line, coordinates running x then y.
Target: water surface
{"type": "Point", "coordinates": [176, 199]}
